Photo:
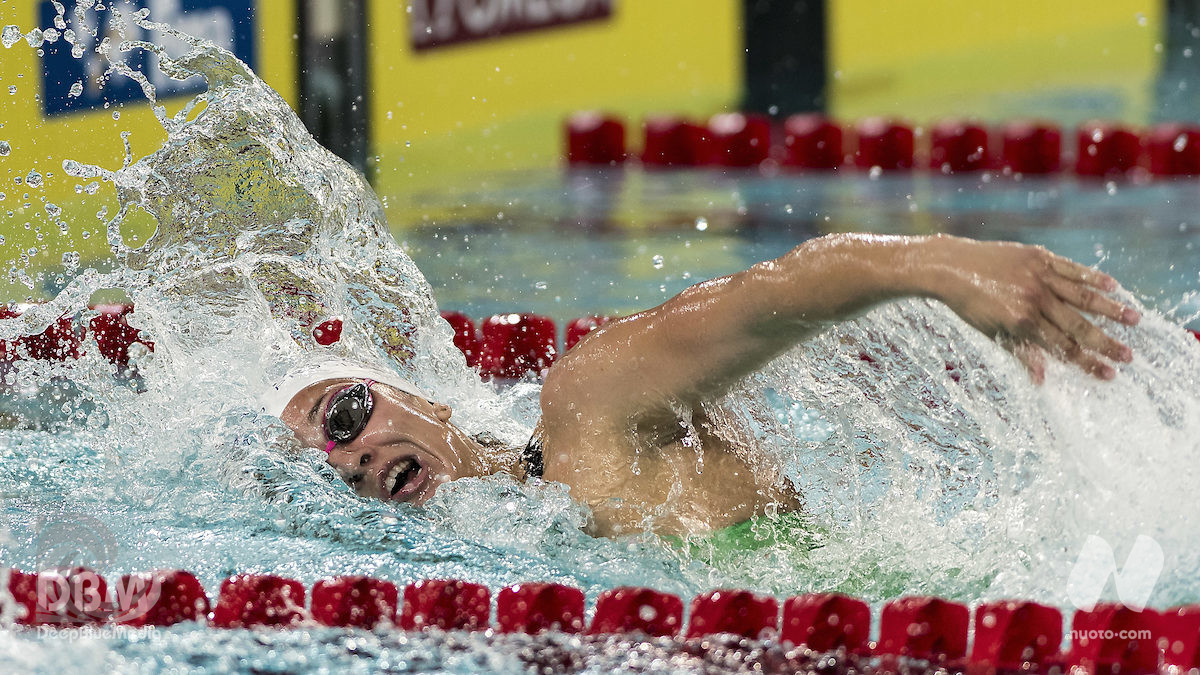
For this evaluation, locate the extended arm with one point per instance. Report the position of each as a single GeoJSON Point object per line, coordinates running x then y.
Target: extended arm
{"type": "Point", "coordinates": [697, 344]}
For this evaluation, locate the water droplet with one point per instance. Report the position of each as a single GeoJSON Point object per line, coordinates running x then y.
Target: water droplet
{"type": "Point", "coordinates": [875, 172]}
{"type": "Point", "coordinates": [658, 261]}
{"type": "Point", "coordinates": [116, 114]}
{"type": "Point", "coordinates": [12, 89]}
{"type": "Point", "coordinates": [1187, 52]}
{"type": "Point", "coordinates": [76, 90]}
{"type": "Point", "coordinates": [5, 148]}
{"type": "Point", "coordinates": [540, 285]}
{"type": "Point", "coordinates": [1180, 142]}
{"type": "Point", "coordinates": [10, 36]}
{"type": "Point", "coordinates": [53, 210]}
{"type": "Point", "coordinates": [34, 179]}
{"type": "Point", "coordinates": [647, 613]}
{"type": "Point", "coordinates": [51, 35]}
{"type": "Point", "coordinates": [91, 187]}
{"type": "Point", "coordinates": [701, 224]}
{"type": "Point", "coordinates": [1141, 20]}
{"type": "Point", "coordinates": [1111, 188]}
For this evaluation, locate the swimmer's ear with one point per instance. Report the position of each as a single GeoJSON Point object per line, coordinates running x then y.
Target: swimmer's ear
{"type": "Point", "coordinates": [442, 411]}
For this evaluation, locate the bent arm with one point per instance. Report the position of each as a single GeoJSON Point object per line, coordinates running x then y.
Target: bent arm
{"type": "Point", "coordinates": [697, 344]}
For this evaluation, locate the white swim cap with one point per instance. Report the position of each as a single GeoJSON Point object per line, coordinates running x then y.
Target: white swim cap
{"type": "Point", "coordinates": [322, 368]}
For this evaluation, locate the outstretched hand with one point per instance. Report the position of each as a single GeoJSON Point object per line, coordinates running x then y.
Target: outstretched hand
{"type": "Point", "coordinates": [1034, 302]}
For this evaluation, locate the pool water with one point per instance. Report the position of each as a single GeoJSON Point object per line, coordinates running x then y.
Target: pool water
{"type": "Point", "coordinates": [567, 243]}
{"type": "Point", "coordinates": [931, 467]}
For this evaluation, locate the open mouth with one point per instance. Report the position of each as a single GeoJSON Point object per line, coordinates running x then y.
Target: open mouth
{"type": "Point", "coordinates": [404, 479]}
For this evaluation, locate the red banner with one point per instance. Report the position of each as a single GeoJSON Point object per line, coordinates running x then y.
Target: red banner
{"type": "Point", "coordinates": [437, 23]}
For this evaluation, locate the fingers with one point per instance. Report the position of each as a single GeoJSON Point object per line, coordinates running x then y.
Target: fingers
{"type": "Point", "coordinates": [1034, 359]}
{"type": "Point", "coordinates": [1092, 301]}
{"type": "Point", "coordinates": [1082, 273]}
{"type": "Point", "coordinates": [1083, 333]}
{"type": "Point", "coordinates": [1067, 349]}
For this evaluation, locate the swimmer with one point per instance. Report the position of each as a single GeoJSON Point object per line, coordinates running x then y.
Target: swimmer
{"type": "Point", "coordinates": [630, 393]}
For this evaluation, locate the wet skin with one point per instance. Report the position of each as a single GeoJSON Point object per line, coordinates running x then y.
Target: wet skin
{"type": "Point", "coordinates": [623, 419]}
{"type": "Point", "coordinates": [402, 429]}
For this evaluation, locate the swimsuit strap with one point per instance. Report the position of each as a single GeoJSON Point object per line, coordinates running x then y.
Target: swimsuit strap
{"type": "Point", "coordinates": [531, 457]}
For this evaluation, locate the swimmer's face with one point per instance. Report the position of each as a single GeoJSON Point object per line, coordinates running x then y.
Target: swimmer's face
{"type": "Point", "coordinates": [406, 450]}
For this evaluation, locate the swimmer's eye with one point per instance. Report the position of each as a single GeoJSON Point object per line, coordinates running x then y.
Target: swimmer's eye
{"type": "Point", "coordinates": [348, 412]}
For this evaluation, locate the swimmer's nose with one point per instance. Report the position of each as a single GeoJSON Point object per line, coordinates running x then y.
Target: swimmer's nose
{"type": "Point", "coordinates": [351, 463]}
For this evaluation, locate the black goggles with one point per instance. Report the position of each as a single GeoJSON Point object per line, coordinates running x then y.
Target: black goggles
{"type": "Point", "coordinates": [347, 413]}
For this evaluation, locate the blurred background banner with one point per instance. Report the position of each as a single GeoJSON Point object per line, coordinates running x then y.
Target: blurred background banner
{"type": "Point", "coordinates": [437, 23]}
{"type": "Point", "coordinates": [426, 96]}
{"type": "Point", "coordinates": [70, 83]}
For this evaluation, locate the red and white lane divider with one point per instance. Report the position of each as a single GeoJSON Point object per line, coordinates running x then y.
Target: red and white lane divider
{"type": "Point", "coordinates": [501, 346]}
{"type": "Point", "coordinates": [815, 142]}
{"type": "Point", "coordinates": [1016, 635]}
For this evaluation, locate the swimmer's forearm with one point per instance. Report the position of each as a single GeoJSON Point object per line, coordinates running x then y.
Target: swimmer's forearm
{"type": "Point", "coordinates": [837, 277]}
{"type": "Point", "coordinates": [697, 344]}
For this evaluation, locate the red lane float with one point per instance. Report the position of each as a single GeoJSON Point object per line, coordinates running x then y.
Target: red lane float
{"type": "Point", "coordinates": [249, 600]}
{"type": "Point", "coordinates": [924, 628]}
{"type": "Point", "coordinates": [1010, 634]}
{"type": "Point", "coordinates": [1031, 148]}
{"type": "Point", "coordinates": [62, 340]}
{"type": "Point", "coordinates": [1174, 150]}
{"type": "Point", "coordinates": [536, 607]}
{"type": "Point", "coordinates": [1105, 150]}
{"type": "Point", "coordinates": [672, 141]}
{"type": "Point", "coordinates": [354, 602]}
{"type": "Point", "coordinates": [826, 621]}
{"type": "Point", "coordinates": [23, 589]}
{"type": "Point", "coordinates": [812, 142]}
{"type": "Point", "coordinates": [580, 327]}
{"type": "Point", "coordinates": [448, 604]}
{"type": "Point", "coordinates": [885, 144]}
{"type": "Point", "coordinates": [595, 139]}
{"type": "Point", "coordinates": [739, 140]}
{"type": "Point", "coordinates": [515, 344]}
{"type": "Point", "coordinates": [1112, 638]}
{"type": "Point", "coordinates": [160, 598]}
{"type": "Point", "coordinates": [1180, 637]}
{"type": "Point", "coordinates": [735, 612]}
{"type": "Point", "coordinates": [628, 609]}
{"type": "Point", "coordinates": [58, 342]}
{"type": "Point", "coordinates": [466, 338]}
{"type": "Point", "coordinates": [958, 147]}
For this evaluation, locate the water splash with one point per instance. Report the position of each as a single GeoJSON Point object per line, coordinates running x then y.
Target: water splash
{"type": "Point", "coordinates": [927, 461]}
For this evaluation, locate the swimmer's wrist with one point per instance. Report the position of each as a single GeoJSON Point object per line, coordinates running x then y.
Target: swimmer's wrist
{"type": "Point", "coordinates": [926, 266]}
